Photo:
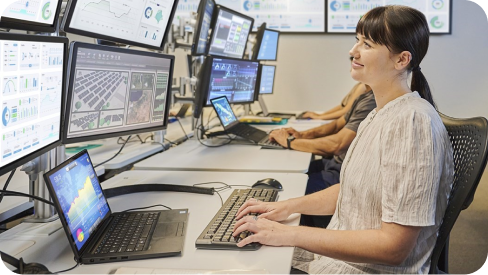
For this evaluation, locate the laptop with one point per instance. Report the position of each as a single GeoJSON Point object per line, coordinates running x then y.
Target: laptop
{"type": "Point", "coordinates": [232, 125]}
{"type": "Point", "coordinates": [97, 235]}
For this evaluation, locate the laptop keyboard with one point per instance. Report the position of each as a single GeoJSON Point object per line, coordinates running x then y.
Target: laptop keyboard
{"type": "Point", "coordinates": [128, 232]}
{"type": "Point", "coordinates": [243, 130]}
{"type": "Point", "coordinates": [218, 233]}
{"type": "Point", "coordinates": [270, 144]}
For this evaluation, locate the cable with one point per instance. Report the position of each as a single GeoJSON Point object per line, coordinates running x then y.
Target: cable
{"type": "Point", "coordinates": [146, 207]}
{"type": "Point", "coordinates": [183, 129]}
{"type": "Point", "coordinates": [150, 136]}
{"type": "Point", "coordinates": [120, 138]}
{"type": "Point", "coordinates": [122, 147]}
{"type": "Point", "coordinates": [19, 194]}
{"type": "Point", "coordinates": [212, 146]}
{"type": "Point", "coordinates": [71, 268]}
{"type": "Point", "coordinates": [7, 183]}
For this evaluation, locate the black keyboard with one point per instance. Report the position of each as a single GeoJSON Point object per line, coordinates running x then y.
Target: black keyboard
{"type": "Point", "coordinates": [243, 130]}
{"type": "Point", "coordinates": [128, 232]}
{"type": "Point", "coordinates": [271, 144]}
{"type": "Point", "coordinates": [218, 233]}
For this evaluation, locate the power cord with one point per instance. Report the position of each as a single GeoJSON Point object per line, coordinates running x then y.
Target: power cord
{"type": "Point", "coordinates": [220, 189]}
{"type": "Point", "coordinates": [183, 129]}
{"type": "Point", "coordinates": [146, 207]}
{"type": "Point", "coordinates": [66, 270]}
{"type": "Point", "coordinates": [19, 194]}
{"type": "Point", "coordinates": [122, 147]}
{"type": "Point", "coordinates": [128, 140]}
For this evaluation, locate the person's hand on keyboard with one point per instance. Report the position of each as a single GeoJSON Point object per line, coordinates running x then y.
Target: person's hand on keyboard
{"type": "Point", "coordinates": [309, 114]}
{"type": "Point", "coordinates": [264, 231]}
{"type": "Point", "coordinates": [276, 211]}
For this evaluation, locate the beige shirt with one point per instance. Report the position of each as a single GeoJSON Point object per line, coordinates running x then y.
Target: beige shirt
{"type": "Point", "coordinates": [399, 169]}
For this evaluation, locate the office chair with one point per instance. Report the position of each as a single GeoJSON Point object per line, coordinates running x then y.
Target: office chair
{"type": "Point", "coordinates": [469, 138]}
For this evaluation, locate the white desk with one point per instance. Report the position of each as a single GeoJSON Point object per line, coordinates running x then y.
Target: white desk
{"type": "Point", "coordinates": [134, 150]}
{"type": "Point", "coordinates": [55, 253]}
{"type": "Point", "coordinates": [192, 156]}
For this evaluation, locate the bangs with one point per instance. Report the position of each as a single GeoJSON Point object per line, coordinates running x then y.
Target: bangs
{"type": "Point", "coordinates": [373, 27]}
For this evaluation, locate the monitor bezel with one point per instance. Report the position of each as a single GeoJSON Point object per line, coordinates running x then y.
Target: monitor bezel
{"type": "Point", "coordinates": [42, 39]}
{"type": "Point", "coordinates": [259, 41]}
{"type": "Point", "coordinates": [274, 79]}
{"type": "Point", "coordinates": [65, 26]}
{"type": "Point", "coordinates": [214, 21]}
{"type": "Point", "coordinates": [19, 24]}
{"type": "Point", "coordinates": [62, 217]}
{"type": "Point", "coordinates": [69, 92]}
{"type": "Point", "coordinates": [209, 64]}
{"type": "Point", "coordinates": [196, 34]}
{"type": "Point", "coordinates": [200, 92]}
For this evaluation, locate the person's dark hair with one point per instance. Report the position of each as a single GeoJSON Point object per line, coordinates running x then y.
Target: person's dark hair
{"type": "Point", "coordinates": [400, 28]}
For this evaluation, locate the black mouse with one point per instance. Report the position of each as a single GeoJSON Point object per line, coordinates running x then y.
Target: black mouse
{"type": "Point", "coordinates": [268, 183]}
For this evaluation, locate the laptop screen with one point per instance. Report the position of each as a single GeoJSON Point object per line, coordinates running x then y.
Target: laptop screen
{"type": "Point", "coordinates": [80, 196]}
{"type": "Point", "coordinates": [223, 110]}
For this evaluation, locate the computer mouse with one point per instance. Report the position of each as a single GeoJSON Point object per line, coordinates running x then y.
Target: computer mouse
{"type": "Point", "coordinates": [268, 183]}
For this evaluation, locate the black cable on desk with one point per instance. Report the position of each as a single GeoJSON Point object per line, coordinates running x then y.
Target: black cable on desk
{"type": "Point", "coordinates": [19, 194]}
{"type": "Point", "coordinates": [183, 129]}
{"type": "Point", "coordinates": [7, 183]}
{"type": "Point", "coordinates": [146, 207]}
{"type": "Point", "coordinates": [71, 268]}
{"type": "Point", "coordinates": [122, 147]}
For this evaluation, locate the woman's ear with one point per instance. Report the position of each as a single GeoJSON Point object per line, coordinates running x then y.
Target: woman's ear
{"type": "Point", "coordinates": [403, 60]}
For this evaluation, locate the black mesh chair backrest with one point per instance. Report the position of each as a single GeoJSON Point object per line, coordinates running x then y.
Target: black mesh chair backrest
{"type": "Point", "coordinates": [469, 139]}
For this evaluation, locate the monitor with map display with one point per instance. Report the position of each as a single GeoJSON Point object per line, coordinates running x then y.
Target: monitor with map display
{"type": "Point", "coordinates": [114, 92]}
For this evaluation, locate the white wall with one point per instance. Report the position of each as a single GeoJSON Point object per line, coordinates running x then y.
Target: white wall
{"type": "Point", "coordinates": [313, 70]}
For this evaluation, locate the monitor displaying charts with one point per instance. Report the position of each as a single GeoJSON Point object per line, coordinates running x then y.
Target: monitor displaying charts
{"type": "Point", "coordinates": [142, 23]}
{"type": "Point", "coordinates": [343, 16]}
{"type": "Point", "coordinates": [267, 79]}
{"type": "Point", "coordinates": [32, 75]}
{"type": "Point", "coordinates": [230, 31]}
{"type": "Point", "coordinates": [31, 15]}
{"type": "Point", "coordinates": [267, 45]}
{"type": "Point", "coordinates": [115, 92]}
{"type": "Point", "coordinates": [233, 78]}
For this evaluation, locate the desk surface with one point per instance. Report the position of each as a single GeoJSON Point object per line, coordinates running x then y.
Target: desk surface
{"type": "Point", "coordinates": [54, 251]}
{"type": "Point", "coordinates": [193, 156]}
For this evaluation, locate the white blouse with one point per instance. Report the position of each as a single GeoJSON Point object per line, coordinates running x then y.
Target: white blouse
{"type": "Point", "coordinates": [399, 169]}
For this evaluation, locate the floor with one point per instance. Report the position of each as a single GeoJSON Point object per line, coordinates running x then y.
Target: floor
{"type": "Point", "coordinates": [468, 248]}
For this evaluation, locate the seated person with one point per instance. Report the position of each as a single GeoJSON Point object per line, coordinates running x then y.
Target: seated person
{"type": "Point", "coordinates": [341, 109]}
{"type": "Point", "coordinates": [396, 179]}
{"type": "Point", "coordinates": [330, 140]}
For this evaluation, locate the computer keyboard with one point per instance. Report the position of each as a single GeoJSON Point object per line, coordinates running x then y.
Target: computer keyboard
{"type": "Point", "coordinates": [270, 144]}
{"type": "Point", "coordinates": [218, 233]}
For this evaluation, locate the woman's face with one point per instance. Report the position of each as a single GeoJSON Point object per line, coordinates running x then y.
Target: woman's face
{"type": "Point", "coordinates": [372, 64]}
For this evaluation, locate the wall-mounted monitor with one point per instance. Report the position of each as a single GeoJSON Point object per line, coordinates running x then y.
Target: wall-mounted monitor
{"type": "Point", "coordinates": [343, 16]}
{"type": "Point", "coordinates": [143, 23]}
{"type": "Point", "coordinates": [31, 15]}
{"type": "Point", "coordinates": [115, 92]}
{"type": "Point", "coordinates": [32, 79]}
{"type": "Point", "coordinates": [201, 35]}
{"type": "Point", "coordinates": [230, 31]}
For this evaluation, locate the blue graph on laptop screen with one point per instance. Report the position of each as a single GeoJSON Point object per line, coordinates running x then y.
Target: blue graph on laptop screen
{"type": "Point", "coordinates": [80, 196]}
{"type": "Point", "coordinates": [224, 111]}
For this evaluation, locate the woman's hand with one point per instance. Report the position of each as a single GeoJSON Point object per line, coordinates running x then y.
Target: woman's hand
{"type": "Point", "coordinates": [265, 232]}
{"type": "Point", "coordinates": [276, 211]}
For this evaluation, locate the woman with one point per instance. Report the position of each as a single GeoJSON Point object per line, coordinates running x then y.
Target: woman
{"type": "Point", "coordinates": [340, 110]}
{"type": "Point", "coordinates": [397, 174]}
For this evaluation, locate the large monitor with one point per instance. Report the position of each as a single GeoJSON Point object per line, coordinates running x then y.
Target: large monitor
{"type": "Point", "coordinates": [230, 31]}
{"type": "Point", "coordinates": [31, 15]}
{"type": "Point", "coordinates": [144, 23]}
{"type": "Point", "coordinates": [116, 91]}
{"type": "Point", "coordinates": [32, 79]}
{"type": "Point", "coordinates": [234, 78]}
{"type": "Point", "coordinates": [201, 34]}
{"type": "Point", "coordinates": [266, 47]}
{"type": "Point", "coordinates": [266, 82]}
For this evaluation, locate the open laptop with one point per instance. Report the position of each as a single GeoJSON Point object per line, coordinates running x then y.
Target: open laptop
{"type": "Point", "coordinates": [97, 235]}
{"type": "Point", "coordinates": [232, 125]}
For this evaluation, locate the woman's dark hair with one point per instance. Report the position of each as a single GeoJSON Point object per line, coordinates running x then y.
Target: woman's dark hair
{"type": "Point", "coordinates": [400, 28]}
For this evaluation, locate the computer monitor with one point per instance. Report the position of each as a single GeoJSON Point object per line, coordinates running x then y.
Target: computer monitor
{"type": "Point", "coordinates": [32, 79]}
{"type": "Point", "coordinates": [201, 34]}
{"type": "Point", "coordinates": [143, 23]}
{"type": "Point", "coordinates": [116, 91]}
{"type": "Point", "coordinates": [234, 78]}
{"type": "Point", "coordinates": [266, 47]}
{"type": "Point", "coordinates": [230, 31]}
{"type": "Point", "coordinates": [266, 81]}
{"type": "Point", "coordinates": [33, 15]}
